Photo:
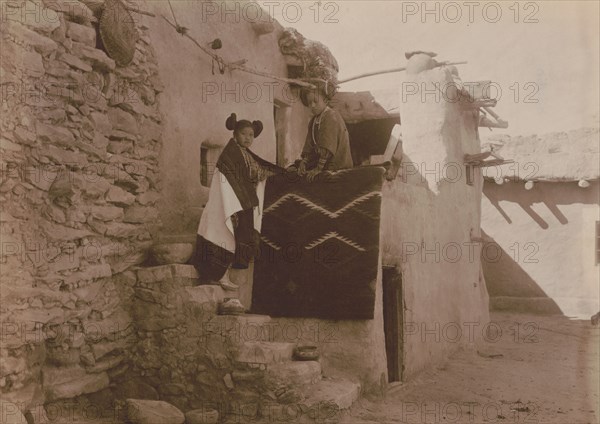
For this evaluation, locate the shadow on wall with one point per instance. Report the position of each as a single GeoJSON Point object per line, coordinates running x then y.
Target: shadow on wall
{"type": "Point", "coordinates": [509, 286]}
{"type": "Point", "coordinates": [551, 194]}
{"type": "Point", "coordinates": [410, 173]}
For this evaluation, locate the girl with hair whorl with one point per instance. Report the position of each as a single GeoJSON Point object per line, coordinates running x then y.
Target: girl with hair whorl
{"type": "Point", "coordinates": [327, 145]}
{"type": "Point", "coordinates": [243, 171]}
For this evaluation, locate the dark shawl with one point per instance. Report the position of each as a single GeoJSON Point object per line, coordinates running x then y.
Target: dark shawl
{"type": "Point", "coordinates": [232, 165]}
{"type": "Point", "coordinates": [332, 135]}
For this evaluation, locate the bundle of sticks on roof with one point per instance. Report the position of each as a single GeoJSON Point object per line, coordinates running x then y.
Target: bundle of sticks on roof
{"type": "Point", "coordinates": [308, 60]}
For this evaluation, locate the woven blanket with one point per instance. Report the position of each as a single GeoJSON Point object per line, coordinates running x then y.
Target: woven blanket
{"type": "Point", "coordinates": [320, 246]}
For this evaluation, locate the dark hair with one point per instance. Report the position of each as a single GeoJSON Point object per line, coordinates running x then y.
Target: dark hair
{"type": "Point", "coordinates": [236, 126]}
{"type": "Point", "coordinates": [322, 88]}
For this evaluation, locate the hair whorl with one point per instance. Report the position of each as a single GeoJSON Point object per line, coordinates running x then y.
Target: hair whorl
{"type": "Point", "coordinates": [257, 126]}
{"type": "Point", "coordinates": [231, 122]}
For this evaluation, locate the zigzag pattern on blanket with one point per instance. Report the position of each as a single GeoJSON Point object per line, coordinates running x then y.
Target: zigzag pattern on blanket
{"type": "Point", "coordinates": [324, 210]}
{"type": "Point", "coordinates": [320, 246]}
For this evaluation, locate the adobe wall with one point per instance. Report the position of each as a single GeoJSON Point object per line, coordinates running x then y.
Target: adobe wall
{"type": "Point", "coordinates": [541, 255]}
{"type": "Point", "coordinates": [428, 215]}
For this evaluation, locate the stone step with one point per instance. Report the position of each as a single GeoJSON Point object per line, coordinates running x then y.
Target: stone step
{"type": "Point", "coordinates": [205, 297]}
{"type": "Point", "coordinates": [185, 275]}
{"type": "Point", "coordinates": [153, 411]}
{"type": "Point", "coordinates": [239, 329]}
{"type": "Point", "coordinates": [177, 238]}
{"type": "Point", "coordinates": [293, 374]}
{"type": "Point", "coordinates": [336, 391]}
{"type": "Point", "coordinates": [323, 402]}
{"type": "Point", "coordinates": [264, 352]}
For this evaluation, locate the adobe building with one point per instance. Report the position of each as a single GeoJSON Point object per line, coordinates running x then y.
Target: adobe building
{"type": "Point", "coordinates": [107, 151]}
{"type": "Point", "coordinates": [540, 217]}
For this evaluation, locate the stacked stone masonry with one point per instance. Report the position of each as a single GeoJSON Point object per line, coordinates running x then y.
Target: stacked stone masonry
{"type": "Point", "coordinates": [80, 141]}
{"type": "Point", "coordinates": [238, 367]}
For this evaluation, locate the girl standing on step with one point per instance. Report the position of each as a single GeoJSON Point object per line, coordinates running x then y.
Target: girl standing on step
{"type": "Point", "coordinates": [234, 206]}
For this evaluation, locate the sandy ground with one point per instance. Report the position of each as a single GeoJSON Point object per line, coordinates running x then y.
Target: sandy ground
{"type": "Point", "coordinates": [548, 374]}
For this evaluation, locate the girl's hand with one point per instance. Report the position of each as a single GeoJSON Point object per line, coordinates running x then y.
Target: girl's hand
{"type": "Point", "coordinates": [302, 168]}
{"type": "Point", "coordinates": [312, 174]}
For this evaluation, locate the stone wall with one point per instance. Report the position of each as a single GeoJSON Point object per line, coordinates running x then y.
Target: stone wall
{"type": "Point", "coordinates": [172, 355]}
{"type": "Point", "coordinates": [80, 144]}
{"type": "Point", "coordinates": [197, 360]}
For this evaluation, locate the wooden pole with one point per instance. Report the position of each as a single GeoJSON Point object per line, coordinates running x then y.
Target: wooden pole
{"type": "Point", "coordinates": [491, 112]}
{"type": "Point", "coordinates": [370, 74]}
{"type": "Point", "coordinates": [266, 75]}
{"type": "Point", "coordinates": [141, 12]}
{"type": "Point", "coordinates": [390, 71]}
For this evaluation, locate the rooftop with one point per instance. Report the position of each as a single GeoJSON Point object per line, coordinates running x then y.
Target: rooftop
{"type": "Point", "coordinates": [559, 156]}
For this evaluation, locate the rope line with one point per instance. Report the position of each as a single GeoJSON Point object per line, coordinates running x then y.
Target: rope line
{"type": "Point", "coordinates": [173, 13]}
{"type": "Point", "coordinates": [233, 65]}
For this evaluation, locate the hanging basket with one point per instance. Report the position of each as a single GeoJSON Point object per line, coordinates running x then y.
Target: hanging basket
{"type": "Point", "coordinates": [118, 32]}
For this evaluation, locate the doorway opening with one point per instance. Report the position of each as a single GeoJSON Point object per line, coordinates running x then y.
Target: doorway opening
{"type": "Point", "coordinates": [393, 321]}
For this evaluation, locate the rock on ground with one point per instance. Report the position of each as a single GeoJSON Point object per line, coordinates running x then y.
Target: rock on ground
{"type": "Point", "coordinates": [153, 412]}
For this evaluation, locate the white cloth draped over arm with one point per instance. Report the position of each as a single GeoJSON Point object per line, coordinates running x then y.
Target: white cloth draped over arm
{"type": "Point", "coordinates": [215, 223]}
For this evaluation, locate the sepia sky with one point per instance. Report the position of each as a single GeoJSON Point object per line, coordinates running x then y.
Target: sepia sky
{"type": "Point", "coordinates": [543, 55]}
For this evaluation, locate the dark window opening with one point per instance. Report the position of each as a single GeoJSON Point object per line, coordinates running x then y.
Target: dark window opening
{"type": "Point", "coordinates": [281, 112]}
{"type": "Point", "coordinates": [209, 155]}
{"type": "Point", "coordinates": [204, 166]}
{"type": "Point", "coordinates": [369, 138]}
